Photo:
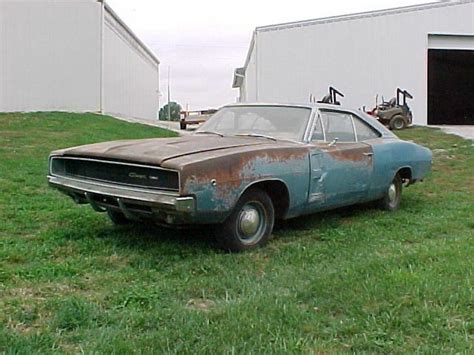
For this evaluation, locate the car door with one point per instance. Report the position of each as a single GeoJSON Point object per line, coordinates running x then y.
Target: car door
{"type": "Point", "coordinates": [341, 166]}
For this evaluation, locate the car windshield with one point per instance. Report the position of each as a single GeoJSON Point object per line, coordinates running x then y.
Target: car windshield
{"type": "Point", "coordinates": [271, 122]}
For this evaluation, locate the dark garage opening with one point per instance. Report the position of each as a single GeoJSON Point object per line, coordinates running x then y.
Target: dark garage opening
{"type": "Point", "coordinates": [450, 87]}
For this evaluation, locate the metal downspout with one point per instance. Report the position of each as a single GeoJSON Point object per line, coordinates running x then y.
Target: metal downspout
{"type": "Point", "coordinates": [102, 53]}
{"type": "Point", "coordinates": [256, 66]}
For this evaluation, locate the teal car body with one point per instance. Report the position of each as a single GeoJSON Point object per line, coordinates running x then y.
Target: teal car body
{"type": "Point", "coordinates": [306, 158]}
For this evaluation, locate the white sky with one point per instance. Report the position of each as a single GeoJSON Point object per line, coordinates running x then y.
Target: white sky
{"type": "Point", "coordinates": [203, 41]}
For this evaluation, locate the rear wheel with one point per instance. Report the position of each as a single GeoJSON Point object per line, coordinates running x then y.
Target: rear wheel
{"type": "Point", "coordinates": [250, 224]}
{"type": "Point", "coordinates": [393, 195]}
{"type": "Point", "coordinates": [118, 218]}
{"type": "Point", "coordinates": [397, 123]}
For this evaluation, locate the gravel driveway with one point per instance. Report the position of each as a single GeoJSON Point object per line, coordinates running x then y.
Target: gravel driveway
{"type": "Point", "coordinates": [170, 125]}
{"type": "Point", "coordinates": [462, 131]}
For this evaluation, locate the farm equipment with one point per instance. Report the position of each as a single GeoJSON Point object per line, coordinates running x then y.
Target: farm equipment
{"type": "Point", "coordinates": [396, 113]}
{"type": "Point", "coordinates": [331, 98]}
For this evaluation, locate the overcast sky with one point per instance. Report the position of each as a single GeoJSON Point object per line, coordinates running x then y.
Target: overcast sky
{"type": "Point", "coordinates": [203, 41]}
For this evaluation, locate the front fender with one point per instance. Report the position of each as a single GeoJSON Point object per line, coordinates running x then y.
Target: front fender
{"type": "Point", "coordinates": [218, 183]}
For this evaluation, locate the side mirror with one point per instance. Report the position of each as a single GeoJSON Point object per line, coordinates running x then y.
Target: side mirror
{"type": "Point", "coordinates": [333, 142]}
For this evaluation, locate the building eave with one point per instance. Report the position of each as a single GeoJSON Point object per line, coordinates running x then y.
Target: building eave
{"type": "Point", "coordinates": [145, 48]}
{"type": "Point", "coordinates": [361, 15]}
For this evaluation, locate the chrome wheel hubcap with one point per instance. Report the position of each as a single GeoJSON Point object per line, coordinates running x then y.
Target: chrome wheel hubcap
{"type": "Point", "coordinates": [251, 223]}
{"type": "Point", "coordinates": [392, 193]}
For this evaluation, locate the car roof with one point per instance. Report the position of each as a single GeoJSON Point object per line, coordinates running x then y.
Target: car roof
{"type": "Point", "coordinates": [304, 105]}
{"type": "Point", "coordinates": [312, 106]}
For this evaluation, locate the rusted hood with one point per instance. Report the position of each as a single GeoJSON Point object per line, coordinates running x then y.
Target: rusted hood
{"type": "Point", "coordinates": [159, 150]}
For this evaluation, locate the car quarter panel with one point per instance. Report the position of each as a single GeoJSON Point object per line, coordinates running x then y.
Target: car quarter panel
{"type": "Point", "coordinates": [217, 180]}
{"type": "Point", "coordinates": [391, 155]}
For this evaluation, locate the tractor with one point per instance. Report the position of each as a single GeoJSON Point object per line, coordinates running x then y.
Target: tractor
{"type": "Point", "coordinates": [396, 113]}
{"type": "Point", "coordinates": [330, 98]}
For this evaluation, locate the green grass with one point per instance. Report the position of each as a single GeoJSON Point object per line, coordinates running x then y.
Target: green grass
{"type": "Point", "coordinates": [351, 280]}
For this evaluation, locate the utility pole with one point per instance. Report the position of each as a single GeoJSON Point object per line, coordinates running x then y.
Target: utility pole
{"type": "Point", "coordinates": [169, 99]}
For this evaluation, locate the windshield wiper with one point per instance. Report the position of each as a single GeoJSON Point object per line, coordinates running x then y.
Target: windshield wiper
{"type": "Point", "coordinates": [256, 135]}
{"type": "Point", "coordinates": [209, 132]}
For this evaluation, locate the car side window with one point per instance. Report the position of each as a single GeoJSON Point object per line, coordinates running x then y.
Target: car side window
{"type": "Point", "coordinates": [318, 131]}
{"type": "Point", "coordinates": [338, 125]}
{"type": "Point", "coordinates": [364, 131]}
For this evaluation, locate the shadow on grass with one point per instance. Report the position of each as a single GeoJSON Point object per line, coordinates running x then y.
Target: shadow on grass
{"type": "Point", "coordinates": [166, 241]}
{"type": "Point", "coordinates": [412, 204]}
{"type": "Point", "coordinates": [197, 240]}
{"type": "Point", "coordinates": [330, 218]}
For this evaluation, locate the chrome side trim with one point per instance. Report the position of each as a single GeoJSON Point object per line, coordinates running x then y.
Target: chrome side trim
{"type": "Point", "coordinates": [309, 127]}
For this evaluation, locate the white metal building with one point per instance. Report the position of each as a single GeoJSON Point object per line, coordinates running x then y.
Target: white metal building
{"type": "Point", "coordinates": [74, 55]}
{"type": "Point", "coordinates": [426, 49]}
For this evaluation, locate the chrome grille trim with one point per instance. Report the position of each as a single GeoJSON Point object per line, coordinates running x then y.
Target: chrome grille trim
{"type": "Point", "coordinates": [109, 182]}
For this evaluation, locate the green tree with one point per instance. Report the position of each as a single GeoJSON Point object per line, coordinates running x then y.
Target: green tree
{"type": "Point", "coordinates": [175, 109]}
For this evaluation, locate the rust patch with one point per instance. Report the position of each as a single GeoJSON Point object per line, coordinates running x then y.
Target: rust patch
{"type": "Point", "coordinates": [230, 168]}
{"type": "Point", "coordinates": [351, 154]}
{"type": "Point", "coordinates": [231, 171]}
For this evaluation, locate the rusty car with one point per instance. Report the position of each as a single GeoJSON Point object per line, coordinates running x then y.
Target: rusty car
{"type": "Point", "coordinates": [247, 166]}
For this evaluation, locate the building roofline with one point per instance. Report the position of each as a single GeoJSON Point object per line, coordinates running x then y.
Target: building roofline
{"type": "Point", "coordinates": [130, 32]}
{"type": "Point", "coordinates": [250, 50]}
{"type": "Point", "coordinates": [348, 17]}
{"type": "Point", "coordinates": [361, 15]}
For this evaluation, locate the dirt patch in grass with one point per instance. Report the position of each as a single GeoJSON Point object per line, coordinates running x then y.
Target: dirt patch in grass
{"type": "Point", "coordinates": [200, 304]}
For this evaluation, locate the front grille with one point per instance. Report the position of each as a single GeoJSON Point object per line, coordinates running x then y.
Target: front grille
{"type": "Point", "coordinates": [115, 172]}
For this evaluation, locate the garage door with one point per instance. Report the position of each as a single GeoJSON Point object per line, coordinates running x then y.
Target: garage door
{"type": "Point", "coordinates": [450, 87]}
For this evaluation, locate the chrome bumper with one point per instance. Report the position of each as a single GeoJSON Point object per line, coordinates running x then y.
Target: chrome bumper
{"type": "Point", "coordinates": [84, 189]}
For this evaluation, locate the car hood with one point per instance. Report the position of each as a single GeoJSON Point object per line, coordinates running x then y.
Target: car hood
{"type": "Point", "coordinates": [160, 151]}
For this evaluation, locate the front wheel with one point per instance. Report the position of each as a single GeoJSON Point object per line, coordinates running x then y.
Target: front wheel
{"type": "Point", "coordinates": [250, 224]}
{"type": "Point", "coordinates": [397, 123]}
{"type": "Point", "coordinates": [393, 195]}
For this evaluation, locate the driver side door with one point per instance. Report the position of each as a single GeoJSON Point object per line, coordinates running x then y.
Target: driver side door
{"type": "Point", "coordinates": [341, 166]}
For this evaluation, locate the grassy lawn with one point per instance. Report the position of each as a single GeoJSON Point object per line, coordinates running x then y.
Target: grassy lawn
{"type": "Point", "coordinates": [350, 280]}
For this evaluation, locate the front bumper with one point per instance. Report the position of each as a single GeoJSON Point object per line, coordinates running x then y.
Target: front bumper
{"type": "Point", "coordinates": [134, 203]}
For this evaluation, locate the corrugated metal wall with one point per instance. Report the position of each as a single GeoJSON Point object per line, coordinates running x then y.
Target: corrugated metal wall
{"type": "Point", "coordinates": [361, 57]}
{"type": "Point", "coordinates": [131, 77]}
{"type": "Point", "coordinates": [51, 59]}
{"type": "Point", "coordinates": [50, 55]}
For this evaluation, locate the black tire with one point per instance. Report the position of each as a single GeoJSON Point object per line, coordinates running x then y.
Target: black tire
{"type": "Point", "coordinates": [240, 231]}
{"type": "Point", "coordinates": [393, 195]}
{"type": "Point", "coordinates": [182, 125]}
{"type": "Point", "coordinates": [397, 123]}
{"type": "Point", "coordinates": [118, 218]}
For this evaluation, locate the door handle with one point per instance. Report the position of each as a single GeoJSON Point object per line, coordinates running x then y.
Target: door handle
{"type": "Point", "coordinates": [368, 154]}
